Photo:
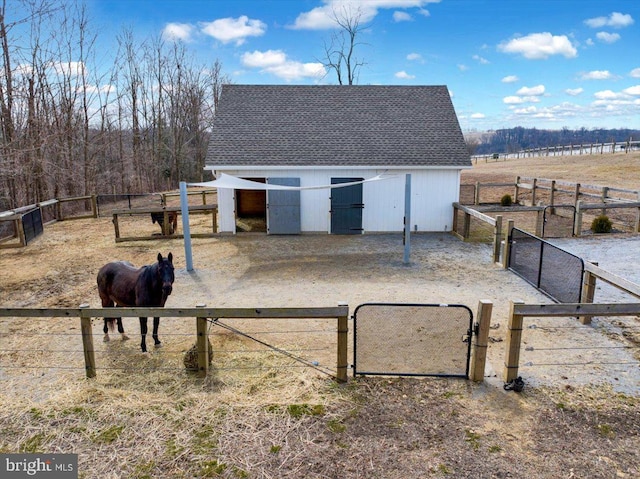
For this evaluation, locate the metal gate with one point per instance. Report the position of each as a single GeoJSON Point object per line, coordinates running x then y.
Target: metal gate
{"type": "Point", "coordinates": [283, 208]}
{"type": "Point", "coordinates": [32, 224]}
{"type": "Point", "coordinates": [346, 207]}
{"type": "Point", "coordinates": [558, 221]}
{"type": "Point", "coordinates": [552, 270]}
{"type": "Point", "coordinates": [412, 339]}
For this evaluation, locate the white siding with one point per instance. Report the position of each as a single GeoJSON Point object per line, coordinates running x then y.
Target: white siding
{"type": "Point", "coordinates": [432, 193]}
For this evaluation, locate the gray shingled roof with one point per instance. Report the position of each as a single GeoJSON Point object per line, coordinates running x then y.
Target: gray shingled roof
{"type": "Point", "coordinates": [295, 125]}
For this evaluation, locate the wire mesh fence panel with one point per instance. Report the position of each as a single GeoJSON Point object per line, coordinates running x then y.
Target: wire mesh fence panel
{"type": "Point", "coordinates": [554, 271]}
{"type": "Point", "coordinates": [558, 221]}
{"type": "Point", "coordinates": [412, 339]}
{"type": "Point", "coordinates": [561, 274]}
{"type": "Point", "coordinates": [524, 255]}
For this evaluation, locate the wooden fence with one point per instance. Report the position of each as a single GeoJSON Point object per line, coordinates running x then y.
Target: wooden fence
{"type": "Point", "coordinates": [584, 310]}
{"type": "Point", "coordinates": [562, 150]}
{"type": "Point", "coordinates": [202, 314]}
{"type": "Point", "coordinates": [541, 192]}
{"type": "Point", "coordinates": [176, 210]}
{"type": "Point", "coordinates": [15, 217]}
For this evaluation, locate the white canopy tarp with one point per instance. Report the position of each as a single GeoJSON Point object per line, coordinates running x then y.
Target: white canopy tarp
{"type": "Point", "coordinates": [235, 183]}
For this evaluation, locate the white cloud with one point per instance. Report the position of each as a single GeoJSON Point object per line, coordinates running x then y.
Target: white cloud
{"type": "Point", "coordinates": [573, 91]}
{"type": "Point", "coordinates": [596, 75]}
{"type": "Point", "coordinates": [634, 90]}
{"type": "Point", "coordinates": [481, 60]}
{"type": "Point", "coordinates": [234, 29]}
{"type": "Point", "coordinates": [403, 75]}
{"type": "Point", "coordinates": [399, 16]}
{"type": "Point", "coordinates": [531, 91]}
{"type": "Point", "coordinates": [510, 79]}
{"type": "Point", "coordinates": [517, 100]}
{"type": "Point", "coordinates": [277, 63]}
{"type": "Point", "coordinates": [606, 95]}
{"type": "Point", "coordinates": [615, 20]}
{"type": "Point", "coordinates": [607, 37]}
{"type": "Point", "coordinates": [322, 18]}
{"type": "Point", "coordinates": [540, 46]}
{"type": "Point", "coordinates": [68, 68]}
{"type": "Point", "coordinates": [416, 57]}
{"type": "Point", "coordinates": [635, 73]}
{"type": "Point", "coordinates": [462, 67]}
{"type": "Point", "coordinates": [177, 31]}
{"type": "Point", "coordinates": [477, 116]}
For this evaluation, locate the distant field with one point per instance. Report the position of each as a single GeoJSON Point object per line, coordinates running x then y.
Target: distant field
{"type": "Point", "coordinates": [621, 170]}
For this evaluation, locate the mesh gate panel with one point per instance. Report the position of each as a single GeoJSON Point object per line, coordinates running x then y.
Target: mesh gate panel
{"type": "Point", "coordinates": [412, 339]}
{"type": "Point", "coordinates": [554, 271]}
{"type": "Point", "coordinates": [558, 221]}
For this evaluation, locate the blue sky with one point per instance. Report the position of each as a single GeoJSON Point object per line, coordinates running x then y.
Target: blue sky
{"type": "Point", "coordinates": [535, 63]}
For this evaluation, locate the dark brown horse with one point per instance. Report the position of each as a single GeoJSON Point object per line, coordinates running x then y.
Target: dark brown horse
{"type": "Point", "coordinates": [172, 216]}
{"type": "Point", "coordinates": [122, 284]}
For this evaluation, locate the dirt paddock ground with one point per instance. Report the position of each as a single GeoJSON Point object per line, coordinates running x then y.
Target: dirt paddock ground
{"type": "Point", "coordinates": [259, 415]}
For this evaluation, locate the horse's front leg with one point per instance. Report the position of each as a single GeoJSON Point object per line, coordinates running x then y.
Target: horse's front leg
{"type": "Point", "coordinates": [156, 323]}
{"type": "Point", "coordinates": [143, 333]}
{"type": "Point", "coordinates": [105, 330]}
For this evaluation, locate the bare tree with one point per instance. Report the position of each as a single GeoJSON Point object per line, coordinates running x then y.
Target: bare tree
{"type": "Point", "coordinates": [340, 51]}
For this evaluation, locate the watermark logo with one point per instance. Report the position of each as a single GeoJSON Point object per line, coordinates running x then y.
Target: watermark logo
{"type": "Point", "coordinates": [46, 466]}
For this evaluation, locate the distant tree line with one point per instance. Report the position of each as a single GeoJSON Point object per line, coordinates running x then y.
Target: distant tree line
{"type": "Point", "coordinates": [511, 140]}
{"type": "Point", "coordinates": [76, 120]}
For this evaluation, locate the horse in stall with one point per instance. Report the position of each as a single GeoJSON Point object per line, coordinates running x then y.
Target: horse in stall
{"type": "Point", "coordinates": [122, 284]}
{"type": "Point", "coordinates": [173, 221]}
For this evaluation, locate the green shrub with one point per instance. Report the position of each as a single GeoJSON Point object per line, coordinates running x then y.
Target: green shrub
{"type": "Point", "coordinates": [506, 200]}
{"type": "Point", "coordinates": [601, 224]}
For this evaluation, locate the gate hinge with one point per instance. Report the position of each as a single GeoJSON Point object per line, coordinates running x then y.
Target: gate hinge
{"type": "Point", "coordinates": [476, 328]}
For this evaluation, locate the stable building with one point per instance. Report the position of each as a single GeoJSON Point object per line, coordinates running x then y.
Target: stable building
{"type": "Point", "coordinates": [312, 136]}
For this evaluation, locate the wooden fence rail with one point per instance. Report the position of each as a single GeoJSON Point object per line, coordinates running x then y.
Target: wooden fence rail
{"type": "Point", "coordinates": [518, 311]}
{"type": "Point", "coordinates": [85, 313]}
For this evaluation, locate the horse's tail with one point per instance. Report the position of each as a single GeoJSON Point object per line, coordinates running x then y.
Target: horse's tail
{"type": "Point", "coordinates": [111, 323]}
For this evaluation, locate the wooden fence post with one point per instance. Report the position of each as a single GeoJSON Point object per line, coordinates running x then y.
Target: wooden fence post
{"type": "Point", "coordinates": [514, 338]}
{"type": "Point", "coordinates": [87, 344]}
{"type": "Point", "coordinates": [605, 194]}
{"type": "Point", "coordinates": [577, 226]}
{"type": "Point", "coordinates": [476, 199]}
{"type": "Point", "coordinates": [94, 205]}
{"type": "Point", "coordinates": [202, 344]}
{"type": "Point", "coordinates": [343, 333]}
{"type": "Point", "coordinates": [497, 239]}
{"type": "Point", "coordinates": [517, 190]}
{"type": "Point", "coordinates": [588, 291]}
{"type": "Point", "coordinates": [506, 250]}
{"type": "Point", "coordinates": [479, 357]}
{"type": "Point", "coordinates": [534, 185]}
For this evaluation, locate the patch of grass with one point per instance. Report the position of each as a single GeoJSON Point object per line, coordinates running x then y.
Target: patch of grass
{"type": "Point", "coordinates": [108, 435]}
{"type": "Point", "coordinates": [143, 470]}
{"type": "Point", "coordinates": [173, 449]}
{"type": "Point", "coordinates": [212, 468]}
{"type": "Point", "coordinates": [275, 449]}
{"type": "Point", "coordinates": [495, 448]}
{"type": "Point", "coordinates": [443, 469]}
{"type": "Point", "coordinates": [34, 444]}
{"type": "Point", "coordinates": [605, 430]}
{"type": "Point", "coordinates": [298, 410]}
{"type": "Point", "coordinates": [473, 438]}
{"type": "Point", "coordinates": [336, 426]}
{"type": "Point", "coordinates": [205, 440]}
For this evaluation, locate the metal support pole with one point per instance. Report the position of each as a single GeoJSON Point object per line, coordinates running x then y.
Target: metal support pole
{"type": "Point", "coordinates": [407, 218]}
{"type": "Point", "coordinates": [184, 209]}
